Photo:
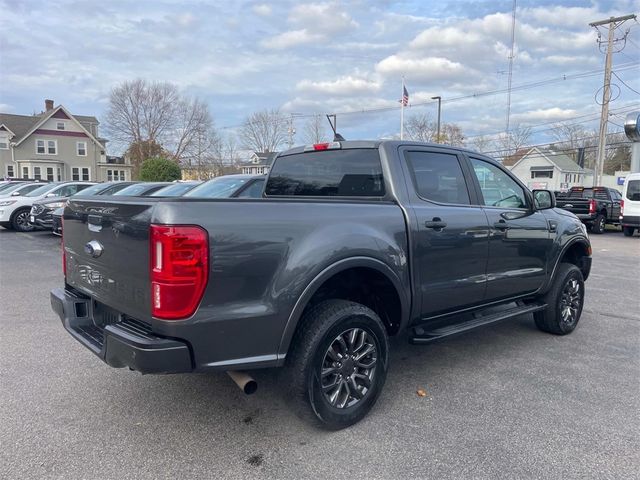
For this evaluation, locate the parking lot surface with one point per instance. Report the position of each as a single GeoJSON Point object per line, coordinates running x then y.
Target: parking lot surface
{"type": "Point", "coordinates": [506, 401]}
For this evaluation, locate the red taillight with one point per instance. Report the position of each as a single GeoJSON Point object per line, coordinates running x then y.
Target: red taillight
{"type": "Point", "coordinates": [323, 146]}
{"type": "Point", "coordinates": [621, 207]}
{"type": "Point", "coordinates": [592, 206]}
{"type": "Point", "coordinates": [179, 269]}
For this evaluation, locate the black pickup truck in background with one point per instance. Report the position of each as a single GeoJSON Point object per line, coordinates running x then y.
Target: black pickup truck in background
{"type": "Point", "coordinates": [596, 207]}
{"type": "Point", "coordinates": [350, 244]}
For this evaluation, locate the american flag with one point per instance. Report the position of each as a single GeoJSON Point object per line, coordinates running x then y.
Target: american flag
{"type": "Point", "coordinates": [405, 96]}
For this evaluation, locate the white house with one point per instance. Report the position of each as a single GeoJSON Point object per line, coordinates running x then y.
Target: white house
{"type": "Point", "coordinates": [55, 145]}
{"type": "Point", "coordinates": [259, 163]}
{"type": "Point", "coordinates": [546, 169]}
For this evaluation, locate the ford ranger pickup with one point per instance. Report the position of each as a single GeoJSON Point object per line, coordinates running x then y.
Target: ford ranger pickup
{"type": "Point", "coordinates": [351, 243]}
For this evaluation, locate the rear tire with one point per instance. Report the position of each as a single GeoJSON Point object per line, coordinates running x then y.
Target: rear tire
{"type": "Point", "coordinates": [337, 364]}
{"type": "Point", "coordinates": [599, 224]}
{"type": "Point", "coordinates": [564, 300]}
{"type": "Point", "coordinates": [628, 231]}
{"type": "Point", "coordinates": [20, 220]}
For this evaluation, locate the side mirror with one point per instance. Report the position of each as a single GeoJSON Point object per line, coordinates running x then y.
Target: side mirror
{"type": "Point", "coordinates": [49, 195]}
{"type": "Point", "coordinates": [544, 199]}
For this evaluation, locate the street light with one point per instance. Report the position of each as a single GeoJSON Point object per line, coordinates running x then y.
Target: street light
{"type": "Point", "coordinates": [439, 105]}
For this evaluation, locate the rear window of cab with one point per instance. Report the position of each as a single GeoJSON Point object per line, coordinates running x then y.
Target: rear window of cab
{"type": "Point", "coordinates": [327, 173]}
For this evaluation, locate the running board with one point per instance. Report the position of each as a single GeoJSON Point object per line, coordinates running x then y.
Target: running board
{"type": "Point", "coordinates": [422, 335]}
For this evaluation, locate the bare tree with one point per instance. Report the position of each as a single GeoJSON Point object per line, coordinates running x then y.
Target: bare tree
{"type": "Point", "coordinates": [314, 130]}
{"type": "Point", "coordinates": [481, 143]}
{"type": "Point", "coordinates": [230, 151]}
{"type": "Point", "coordinates": [570, 136]}
{"type": "Point", "coordinates": [421, 128]}
{"type": "Point", "coordinates": [451, 134]}
{"type": "Point", "coordinates": [154, 113]}
{"type": "Point", "coordinates": [193, 129]}
{"type": "Point", "coordinates": [514, 140]}
{"type": "Point", "coordinates": [264, 131]}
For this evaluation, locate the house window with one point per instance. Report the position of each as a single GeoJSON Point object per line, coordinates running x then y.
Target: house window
{"type": "Point", "coordinates": [75, 174]}
{"type": "Point", "coordinates": [40, 147]}
{"type": "Point", "coordinates": [4, 142]}
{"type": "Point", "coordinates": [50, 174]}
{"type": "Point", "coordinates": [85, 174]}
{"type": "Point", "coordinates": [59, 174]}
{"type": "Point", "coordinates": [37, 173]}
{"type": "Point", "coordinates": [81, 149]}
{"type": "Point", "coordinates": [10, 172]}
{"type": "Point", "coordinates": [115, 176]}
{"type": "Point", "coordinates": [52, 147]}
{"type": "Point", "coordinates": [60, 125]}
{"type": "Point", "coordinates": [25, 172]}
{"type": "Point", "coordinates": [542, 174]}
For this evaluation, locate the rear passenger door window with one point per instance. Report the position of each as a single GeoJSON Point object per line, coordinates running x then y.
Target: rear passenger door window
{"type": "Point", "coordinates": [498, 189]}
{"type": "Point", "coordinates": [438, 177]}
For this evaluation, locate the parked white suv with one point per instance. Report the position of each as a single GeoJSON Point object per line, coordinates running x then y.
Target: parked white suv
{"type": "Point", "coordinates": [14, 210]}
{"type": "Point", "coordinates": [20, 188]}
{"type": "Point", "coordinates": [630, 204]}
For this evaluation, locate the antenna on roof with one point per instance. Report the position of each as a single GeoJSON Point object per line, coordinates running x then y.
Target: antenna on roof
{"type": "Point", "coordinates": [336, 136]}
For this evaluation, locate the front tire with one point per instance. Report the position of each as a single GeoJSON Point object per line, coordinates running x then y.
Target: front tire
{"type": "Point", "coordinates": [564, 300]}
{"type": "Point", "coordinates": [599, 224]}
{"type": "Point", "coordinates": [628, 231]}
{"type": "Point", "coordinates": [338, 363]}
{"type": "Point", "coordinates": [20, 220]}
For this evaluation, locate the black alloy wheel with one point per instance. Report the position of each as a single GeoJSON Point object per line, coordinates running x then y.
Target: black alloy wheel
{"type": "Point", "coordinates": [20, 221]}
{"type": "Point", "coordinates": [348, 368]}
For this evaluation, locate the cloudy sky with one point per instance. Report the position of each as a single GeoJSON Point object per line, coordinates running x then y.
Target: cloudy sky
{"type": "Point", "coordinates": [323, 57]}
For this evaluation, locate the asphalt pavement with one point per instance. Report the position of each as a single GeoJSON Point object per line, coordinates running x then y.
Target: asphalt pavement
{"type": "Point", "coordinates": [505, 401]}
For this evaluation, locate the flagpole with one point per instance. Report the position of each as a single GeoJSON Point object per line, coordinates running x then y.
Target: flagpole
{"type": "Point", "coordinates": [402, 111]}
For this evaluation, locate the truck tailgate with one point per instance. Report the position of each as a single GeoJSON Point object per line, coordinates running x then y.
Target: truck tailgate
{"type": "Point", "coordinates": [106, 245]}
{"type": "Point", "coordinates": [579, 206]}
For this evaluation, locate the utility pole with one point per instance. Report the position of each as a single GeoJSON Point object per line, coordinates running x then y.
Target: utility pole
{"type": "Point", "coordinates": [510, 77]}
{"type": "Point", "coordinates": [613, 23]}
{"type": "Point", "coordinates": [439, 109]}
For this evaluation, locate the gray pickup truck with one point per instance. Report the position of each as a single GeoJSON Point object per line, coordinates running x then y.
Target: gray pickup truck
{"type": "Point", "coordinates": [352, 242]}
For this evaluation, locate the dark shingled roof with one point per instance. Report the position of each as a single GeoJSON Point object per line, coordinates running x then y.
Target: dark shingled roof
{"type": "Point", "coordinates": [21, 124]}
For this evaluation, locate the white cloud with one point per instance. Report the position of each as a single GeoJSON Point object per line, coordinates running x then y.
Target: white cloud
{"type": "Point", "coordinates": [262, 10]}
{"type": "Point", "coordinates": [290, 39]}
{"type": "Point", "coordinates": [342, 86]}
{"type": "Point", "coordinates": [312, 23]}
{"type": "Point", "coordinates": [323, 18]}
{"type": "Point", "coordinates": [423, 69]}
{"type": "Point", "coordinates": [542, 115]}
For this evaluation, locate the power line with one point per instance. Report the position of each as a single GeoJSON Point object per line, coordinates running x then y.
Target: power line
{"type": "Point", "coordinates": [625, 83]}
{"type": "Point", "coordinates": [555, 123]}
{"type": "Point", "coordinates": [524, 86]}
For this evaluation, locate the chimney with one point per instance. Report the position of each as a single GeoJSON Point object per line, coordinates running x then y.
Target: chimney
{"type": "Point", "coordinates": [48, 105]}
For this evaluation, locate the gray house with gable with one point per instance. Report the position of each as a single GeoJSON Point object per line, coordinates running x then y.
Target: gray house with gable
{"type": "Point", "coordinates": [56, 145]}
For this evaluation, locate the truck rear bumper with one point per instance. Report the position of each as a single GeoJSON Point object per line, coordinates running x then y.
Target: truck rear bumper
{"type": "Point", "coordinates": [629, 221]}
{"type": "Point", "coordinates": [127, 343]}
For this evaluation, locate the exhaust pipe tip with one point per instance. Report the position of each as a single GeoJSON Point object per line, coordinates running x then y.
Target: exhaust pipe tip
{"type": "Point", "coordinates": [244, 381]}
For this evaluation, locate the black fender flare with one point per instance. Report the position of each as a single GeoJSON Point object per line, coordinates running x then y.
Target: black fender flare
{"type": "Point", "coordinates": [328, 272]}
{"type": "Point", "coordinates": [581, 240]}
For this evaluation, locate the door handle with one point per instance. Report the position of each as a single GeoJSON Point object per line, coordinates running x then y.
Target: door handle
{"type": "Point", "coordinates": [501, 225]}
{"type": "Point", "coordinates": [436, 223]}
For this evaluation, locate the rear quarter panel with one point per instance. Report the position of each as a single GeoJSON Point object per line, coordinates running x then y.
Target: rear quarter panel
{"type": "Point", "coordinates": [263, 254]}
